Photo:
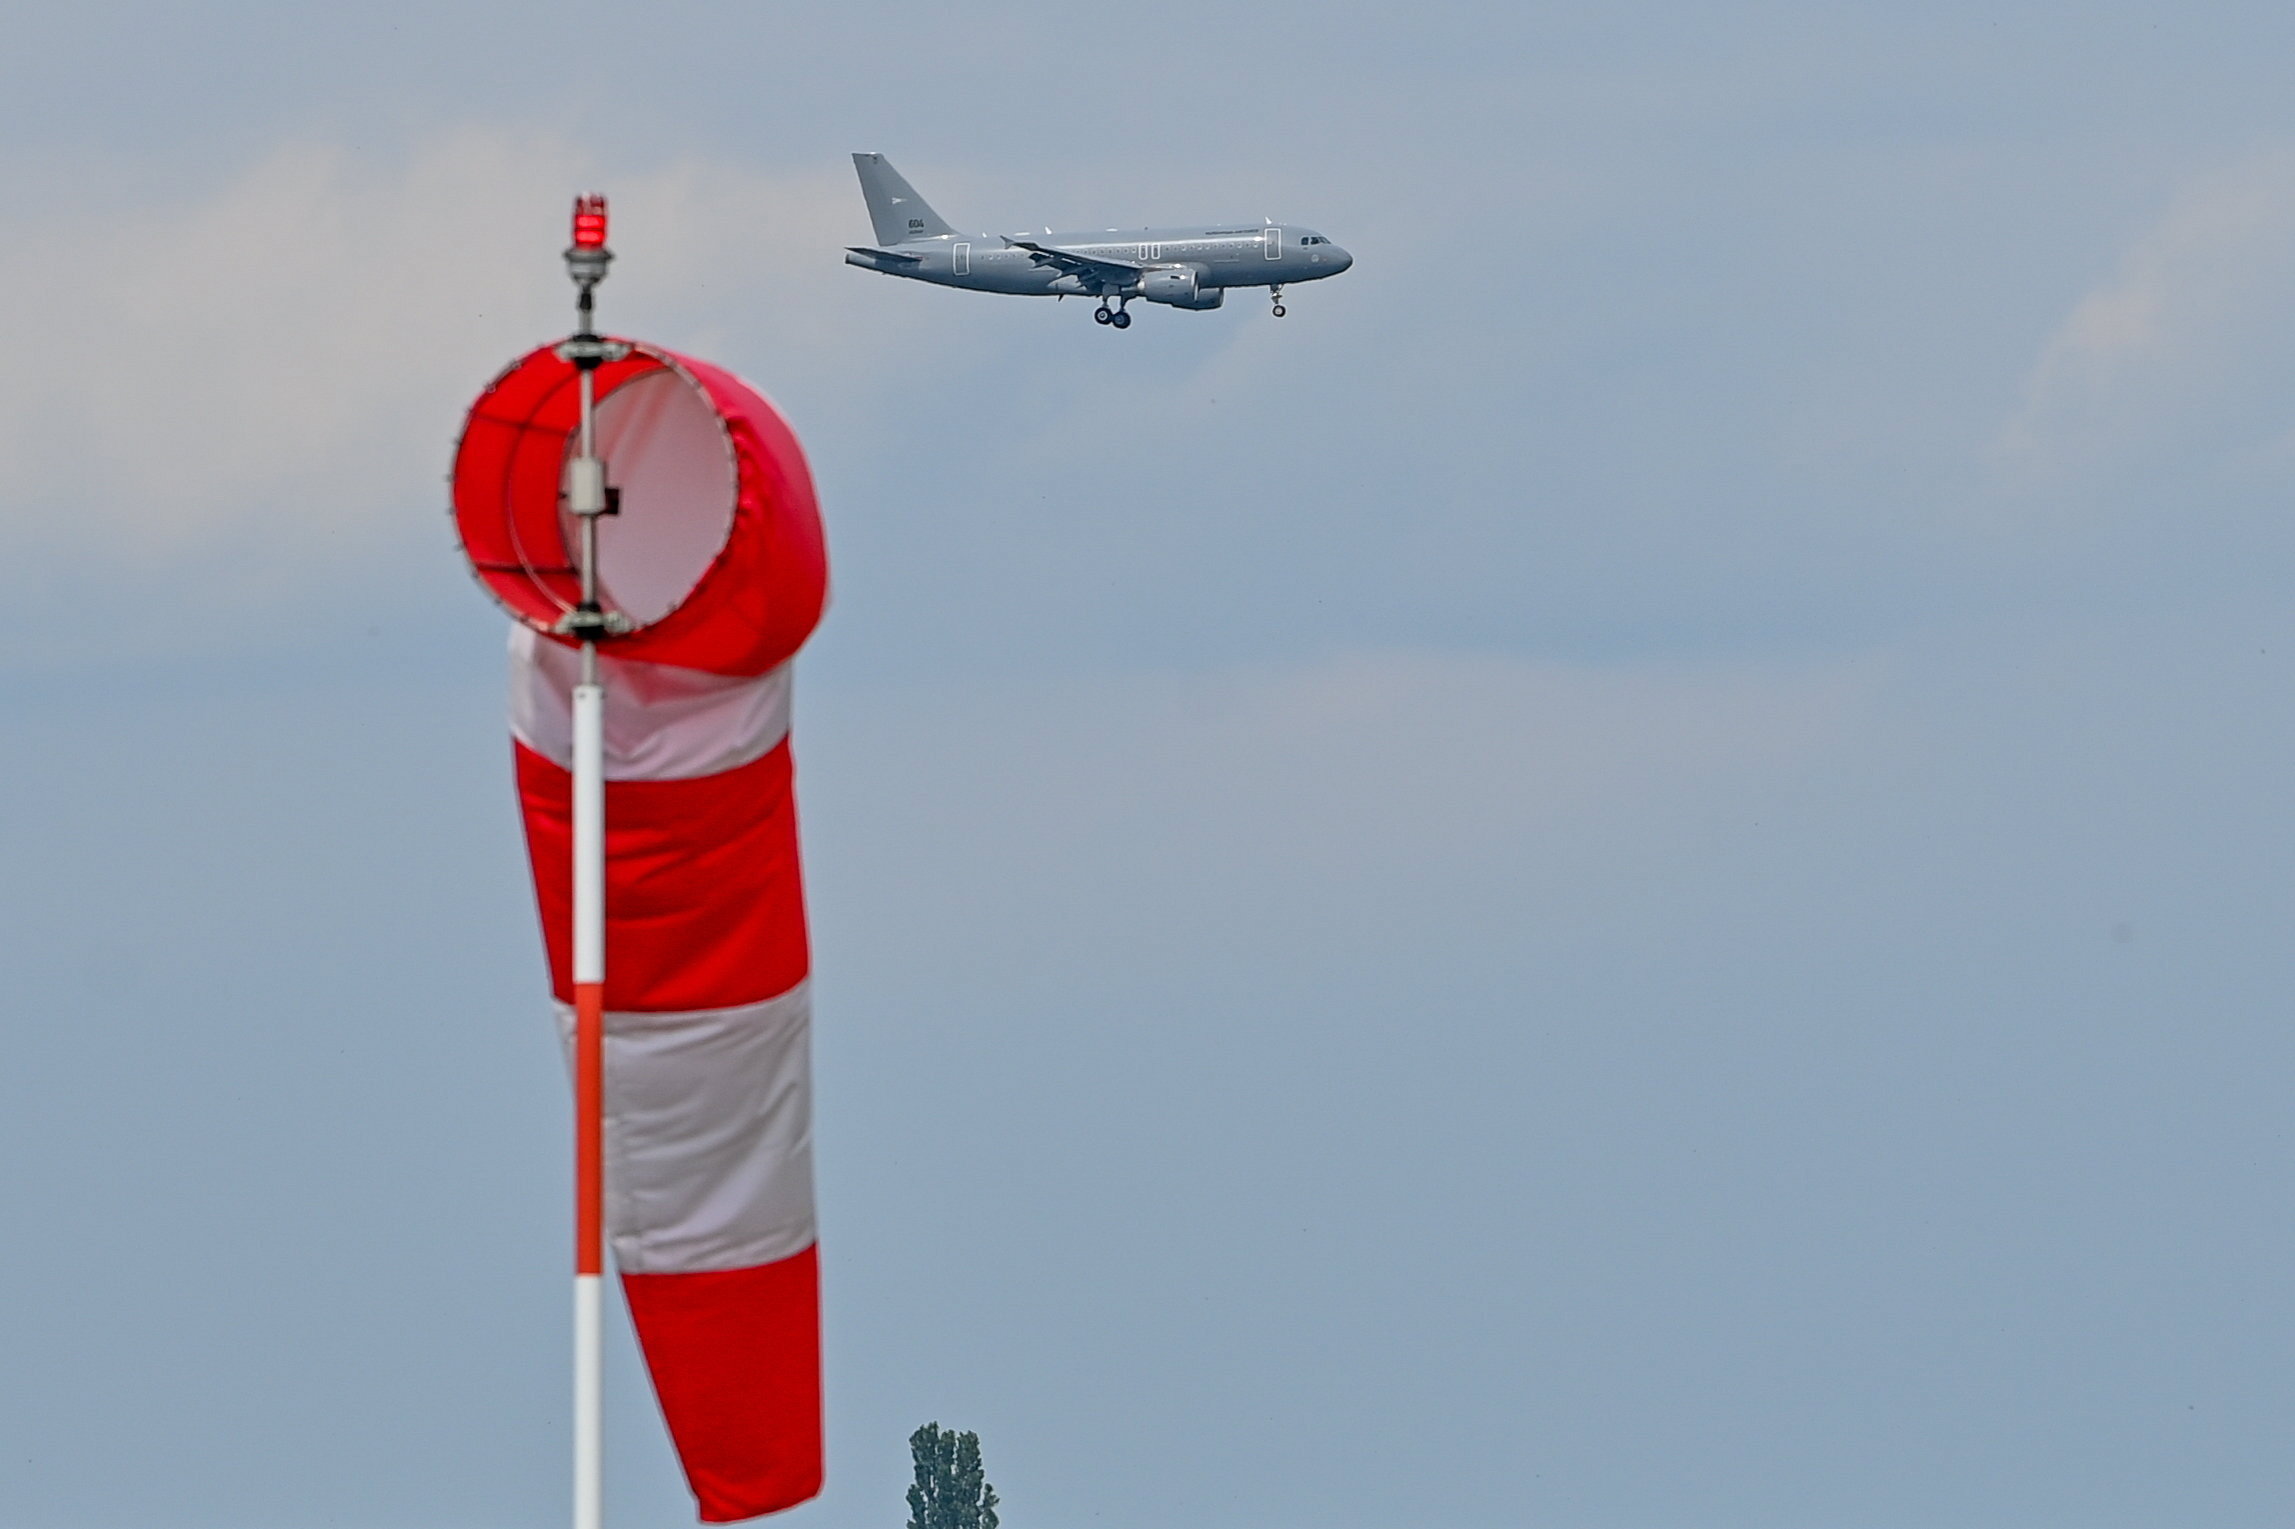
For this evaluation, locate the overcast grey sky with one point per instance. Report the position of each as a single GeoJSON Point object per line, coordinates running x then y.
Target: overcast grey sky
{"type": "Point", "coordinates": [1632, 873]}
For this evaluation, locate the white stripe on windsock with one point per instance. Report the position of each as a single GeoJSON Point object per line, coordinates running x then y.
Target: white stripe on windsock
{"type": "Point", "coordinates": [709, 1135]}
{"type": "Point", "coordinates": [662, 723]}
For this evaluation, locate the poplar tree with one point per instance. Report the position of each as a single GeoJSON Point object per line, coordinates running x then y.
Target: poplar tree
{"type": "Point", "coordinates": [951, 1490]}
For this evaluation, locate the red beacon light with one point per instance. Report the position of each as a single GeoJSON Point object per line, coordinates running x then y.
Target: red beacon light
{"type": "Point", "coordinates": [587, 257]}
{"type": "Point", "coordinates": [590, 222]}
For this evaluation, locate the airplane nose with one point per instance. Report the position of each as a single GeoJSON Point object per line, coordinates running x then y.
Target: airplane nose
{"type": "Point", "coordinates": [1342, 257]}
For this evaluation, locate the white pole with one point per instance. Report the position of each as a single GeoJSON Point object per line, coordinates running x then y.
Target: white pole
{"type": "Point", "coordinates": [587, 495]}
{"type": "Point", "coordinates": [587, 498]}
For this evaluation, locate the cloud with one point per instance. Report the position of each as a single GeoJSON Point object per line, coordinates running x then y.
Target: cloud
{"type": "Point", "coordinates": [283, 361]}
{"type": "Point", "coordinates": [2178, 349]}
{"type": "Point", "coordinates": [1289, 802]}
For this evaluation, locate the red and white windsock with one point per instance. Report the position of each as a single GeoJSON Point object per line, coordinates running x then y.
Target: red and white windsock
{"type": "Point", "coordinates": [710, 572]}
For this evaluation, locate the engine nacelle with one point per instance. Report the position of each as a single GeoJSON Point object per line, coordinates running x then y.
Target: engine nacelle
{"type": "Point", "coordinates": [1180, 287]}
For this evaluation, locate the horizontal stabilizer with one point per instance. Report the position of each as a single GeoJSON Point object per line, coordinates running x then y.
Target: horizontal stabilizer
{"type": "Point", "coordinates": [890, 262]}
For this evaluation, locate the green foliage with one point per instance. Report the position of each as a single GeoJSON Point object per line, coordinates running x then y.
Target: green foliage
{"type": "Point", "coordinates": [952, 1490]}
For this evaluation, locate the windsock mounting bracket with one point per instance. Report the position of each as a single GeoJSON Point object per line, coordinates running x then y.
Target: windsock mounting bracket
{"type": "Point", "coordinates": [589, 351]}
{"type": "Point", "coordinates": [588, 623]}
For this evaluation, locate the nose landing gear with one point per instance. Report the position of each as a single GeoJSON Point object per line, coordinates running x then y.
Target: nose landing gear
{"type": "Point", "coordinates": [1275, 293]}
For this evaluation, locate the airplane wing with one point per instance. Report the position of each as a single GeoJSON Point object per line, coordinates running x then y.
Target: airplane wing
{"type": "Point", "coordinates": [1097, 269]}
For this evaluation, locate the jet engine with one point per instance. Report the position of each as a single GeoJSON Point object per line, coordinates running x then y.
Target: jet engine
{"type": "Point", "coordinates": [1179, 286]}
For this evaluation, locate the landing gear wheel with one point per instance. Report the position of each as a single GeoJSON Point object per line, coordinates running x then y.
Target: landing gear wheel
{"type": "Point", "coordinates": [1120, 319]}
{"type": "Point", "coordinates": [1103, 315]}
{"type": "Point", "coordinates": [1279, 310]}
{"type": "Point", "coordinates": [1275, 295]}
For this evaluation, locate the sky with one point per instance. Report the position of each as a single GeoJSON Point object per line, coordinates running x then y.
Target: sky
{"type": "Point", "coordinates": [1632, 873]}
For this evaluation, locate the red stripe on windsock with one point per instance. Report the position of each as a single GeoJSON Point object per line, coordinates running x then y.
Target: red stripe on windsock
{"type": "Point", "coordinates": [705, 906]}
{"type": "Point", "coordinates": [736, 1361]}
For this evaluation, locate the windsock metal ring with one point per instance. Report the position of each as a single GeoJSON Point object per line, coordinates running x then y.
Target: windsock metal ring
{"type": "Point", "coordinates": [715, 559]}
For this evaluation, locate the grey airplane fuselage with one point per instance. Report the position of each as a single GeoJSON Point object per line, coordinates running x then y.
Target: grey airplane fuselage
{"type": "Point", "coordinates": [1232, 255]}
{"type": "Point", "coordinates": [1177, 267]}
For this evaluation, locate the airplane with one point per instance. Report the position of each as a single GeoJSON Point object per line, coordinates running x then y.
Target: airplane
{"type": "Point", "coordinates": [1181, 267]}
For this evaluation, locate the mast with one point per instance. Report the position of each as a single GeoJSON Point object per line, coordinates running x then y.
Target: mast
{"type": "Point", "coordinates": [587, 498]}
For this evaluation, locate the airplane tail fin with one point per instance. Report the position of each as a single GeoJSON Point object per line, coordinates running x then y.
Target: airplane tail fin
{"type": "Point", "coordinates": [895, 209]}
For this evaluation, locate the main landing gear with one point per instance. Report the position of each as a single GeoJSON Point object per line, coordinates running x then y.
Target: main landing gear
{"type": "Point", "coordinates": [1114, 317]}
{"type": "Point", "coordinates": [1276, 292]}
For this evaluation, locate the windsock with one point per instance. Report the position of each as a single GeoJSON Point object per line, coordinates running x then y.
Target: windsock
{"type": "Point", "coordinates": [715, 568]}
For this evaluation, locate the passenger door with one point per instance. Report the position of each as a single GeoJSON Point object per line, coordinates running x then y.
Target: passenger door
{"type": "Point", "coordinates": [1271, 243]}
{"type": "Point", "coordinates": [961, 263]}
